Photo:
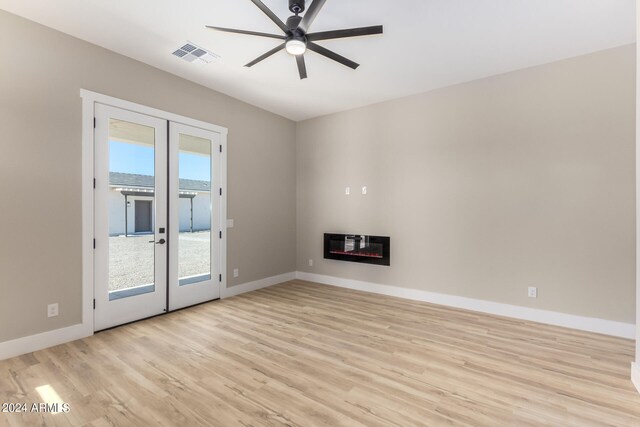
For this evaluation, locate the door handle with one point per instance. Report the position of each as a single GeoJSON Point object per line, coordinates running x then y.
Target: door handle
{"type": "Point", "coordinates": [159, 242]}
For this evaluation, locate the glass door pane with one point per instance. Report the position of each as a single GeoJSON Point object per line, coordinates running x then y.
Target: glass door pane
{"type": "Point", "coordinates": [194, 211]}
{"type": "Point", "coordinates": [132, 208]}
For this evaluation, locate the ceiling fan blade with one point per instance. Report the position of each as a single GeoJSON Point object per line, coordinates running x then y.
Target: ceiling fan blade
{"type": "Point", "coordinates": [302, 67]}
{"type": "Point", "coordinates": [332, 55]}
{"type": "Point", "coordinates": [266, 55]}
{"type": "Point", "coordinates": [271, 15]}
{"type": "Point", "coordinates": [311, 14]}
{"type": "Point", "coordinates": [249, 33]}
{"type": "Point", "coordinates": [351, 32]}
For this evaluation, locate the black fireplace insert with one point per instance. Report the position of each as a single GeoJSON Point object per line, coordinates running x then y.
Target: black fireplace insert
{"type": "Point", "coordinates": [358, 248]}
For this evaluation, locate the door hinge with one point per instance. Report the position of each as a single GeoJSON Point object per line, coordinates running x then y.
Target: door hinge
{"type": "Point", "coordinates": [220, 277]}
{"type": "Point", "coordinates": [94, 183]}
{"type": "Point", "coordinates": [221, 148]}
{"type": "Point", "coordinates": [220, 234]}
{"type": "Point", "coordinates": [221, 191]}
{"type": "Point", "coordinates": [94, 243]}
{"type": "Point", "coordinates": [94, 122]}
{"type": "Point", "coordinates": [94, 303]}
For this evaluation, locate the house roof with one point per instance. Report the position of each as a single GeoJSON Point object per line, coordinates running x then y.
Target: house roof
{"type": "Point", "coordinates": [146, 181]}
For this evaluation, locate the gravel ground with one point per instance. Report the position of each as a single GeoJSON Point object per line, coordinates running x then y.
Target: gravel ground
{"type": "Point", "coordinates": [131, 259]}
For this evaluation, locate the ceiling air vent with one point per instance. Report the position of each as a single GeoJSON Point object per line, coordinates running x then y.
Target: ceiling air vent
{"type": "Point", "coordinates": [191, 53]}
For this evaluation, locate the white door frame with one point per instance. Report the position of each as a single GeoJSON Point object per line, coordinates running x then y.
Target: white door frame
{"type": "Point", "coordinates": [89, 99]}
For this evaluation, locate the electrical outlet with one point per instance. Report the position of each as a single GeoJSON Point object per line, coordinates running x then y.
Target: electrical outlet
{"type": "Point", "coordinates": [347, 191]}
{"type": "Point", "coordinates": [52, 310]}
{"type": "Point", "coordinates": [310, 262]}
{"type": "Point", "coordinates": [532, 292]}
{"type": "Point", "coordinates": [236, 272]}
{"type": "Point", "coordinates": [364, 190]}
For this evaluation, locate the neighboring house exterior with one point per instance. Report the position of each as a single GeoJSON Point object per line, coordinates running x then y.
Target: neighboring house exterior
{"type": "Point", "coordinates": [136, 192]}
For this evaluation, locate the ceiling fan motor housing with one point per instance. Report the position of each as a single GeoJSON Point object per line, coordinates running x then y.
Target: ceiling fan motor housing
{"type": "Point", "coordinates": [296, 6]}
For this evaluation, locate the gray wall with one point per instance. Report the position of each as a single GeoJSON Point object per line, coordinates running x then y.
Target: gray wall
{"type": "Point", "coordinates": [523, 179]}
{"type": "Point", "coordinates": [40, 169]}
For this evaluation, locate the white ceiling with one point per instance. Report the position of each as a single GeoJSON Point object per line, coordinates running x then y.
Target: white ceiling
{"type": "Point", "coordinates": [426, 44]}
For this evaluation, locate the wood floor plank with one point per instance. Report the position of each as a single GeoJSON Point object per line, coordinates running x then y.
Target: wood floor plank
{"type": "Point", "coordinates": [301, 354]}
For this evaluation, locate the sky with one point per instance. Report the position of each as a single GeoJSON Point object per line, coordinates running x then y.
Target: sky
{"type": "Point", "coordinates": [138, 159]}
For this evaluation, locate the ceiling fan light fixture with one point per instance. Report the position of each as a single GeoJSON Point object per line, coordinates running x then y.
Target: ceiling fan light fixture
{"type": "Point", "coordinates": [296, 47]}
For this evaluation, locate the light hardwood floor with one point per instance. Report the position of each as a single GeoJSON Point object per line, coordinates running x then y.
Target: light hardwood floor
{"type": "Point", "coordinates": [305, 354]}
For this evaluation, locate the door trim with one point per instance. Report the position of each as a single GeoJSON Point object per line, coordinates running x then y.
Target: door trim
{"type": "Point", "coordinates": [149, 111]}
{"type": "Point", "coordinates": [89, 99]}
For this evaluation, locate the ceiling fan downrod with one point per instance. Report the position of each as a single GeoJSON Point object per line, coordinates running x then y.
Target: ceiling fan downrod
{"type": "Point", "coordinates": [296, 6]}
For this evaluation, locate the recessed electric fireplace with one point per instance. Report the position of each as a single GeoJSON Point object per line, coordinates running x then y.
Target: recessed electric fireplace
{"type": "Point", "coordinates": [358, 248]}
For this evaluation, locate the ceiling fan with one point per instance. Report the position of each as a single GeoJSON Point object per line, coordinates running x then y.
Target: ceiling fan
{"type": "Point", "coordinates": [297, 39]}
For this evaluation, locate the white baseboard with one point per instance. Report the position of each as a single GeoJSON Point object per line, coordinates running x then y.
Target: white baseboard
{"type": "Point", "coordinates": [258, 284]}
{"type": "Point", "coordinates": [43, 340]}
{"type": "Point", "coordinates": [48, 339]}
{"type": "Point", "coordinates": [635, 375]}
{"type": "Point", "coordinates": [590, 324]}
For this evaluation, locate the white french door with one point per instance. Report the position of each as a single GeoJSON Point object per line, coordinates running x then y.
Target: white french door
{"type": "Point", "coordinates": [157, 216]}
{"type": "Point", "coordinates": [194, 253]}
